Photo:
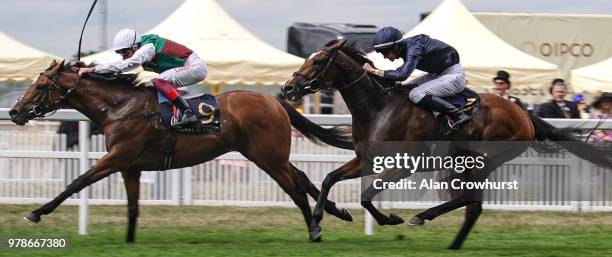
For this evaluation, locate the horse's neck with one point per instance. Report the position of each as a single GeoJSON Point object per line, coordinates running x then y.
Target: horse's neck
{"type": "Point", "coordinates": [102, 103]}
{"type": "Point", "coordinates": [363, 99]}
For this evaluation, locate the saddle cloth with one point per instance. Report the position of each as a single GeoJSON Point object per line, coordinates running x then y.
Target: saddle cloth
{"type": "Point", "coordinates": [204, 106]}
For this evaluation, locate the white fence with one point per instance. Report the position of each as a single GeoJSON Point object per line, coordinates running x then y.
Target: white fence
{"type": "Point", "coordinates": [36, 165]}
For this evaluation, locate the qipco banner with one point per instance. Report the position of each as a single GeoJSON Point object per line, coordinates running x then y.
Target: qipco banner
{"type": "Point", "coordinates": [494, 172]}
{"type": "Point", "coordinates": [568, 40]}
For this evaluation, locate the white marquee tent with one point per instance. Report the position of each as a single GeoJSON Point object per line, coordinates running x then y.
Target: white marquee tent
{"type": "Point", "coordinates": [594, 78]}
{"type": "Point", "coordinates": [482, 53]}
{"type": "Point", "coordinates": [233, 55]}
{"type": "Point", "coordinates": [19, 62]}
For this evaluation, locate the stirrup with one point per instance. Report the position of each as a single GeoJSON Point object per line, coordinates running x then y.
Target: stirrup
{"type": "Point", "coordinates": [188, 117]}
{"type": "Point", "coordinates": [457, 124]}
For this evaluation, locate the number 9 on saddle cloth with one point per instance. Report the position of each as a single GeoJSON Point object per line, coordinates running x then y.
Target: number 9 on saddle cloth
{"type": "Point", "coordinates": [204, 106]}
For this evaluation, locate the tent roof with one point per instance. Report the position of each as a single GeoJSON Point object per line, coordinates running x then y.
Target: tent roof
{"type": "Point", "coordinates": [233, 54]}
{"type": "Point", "coordinates": [19, 62]}
{"type": "Point", "coordinates": [482, 52]}
{"type": "Point", "coordinates": [594, 78]}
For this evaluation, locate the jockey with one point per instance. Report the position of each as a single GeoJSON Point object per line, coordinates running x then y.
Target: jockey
{"type": "Point", "coordinates": [176, 65]}
{"type": "Point", "coordinates": [445, 75]}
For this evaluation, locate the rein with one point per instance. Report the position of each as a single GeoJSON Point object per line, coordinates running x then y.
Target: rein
{"type": "Point", "coordinates": [365, 74]}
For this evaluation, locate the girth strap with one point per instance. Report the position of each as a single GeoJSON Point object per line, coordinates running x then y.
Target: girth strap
{"type": "Point", "coordinates": [169, 150]}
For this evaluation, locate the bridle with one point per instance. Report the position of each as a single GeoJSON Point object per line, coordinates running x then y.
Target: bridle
{"type": "Point", "coordinates": [313, 85]}
{"type": "Point", "coordinates": [44, 105]}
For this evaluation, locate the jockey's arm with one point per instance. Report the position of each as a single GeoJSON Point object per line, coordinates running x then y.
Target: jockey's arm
{"type": "Point", "coordinates": [415, 48]}
{"type": "Point", "coordinates": [144, 54]}
{"type": "Point", "coordinates": [402, 73]}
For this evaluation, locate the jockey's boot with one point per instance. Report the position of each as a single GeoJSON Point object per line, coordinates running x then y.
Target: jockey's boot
{"type": "Point", "coordinates": [188, 115]}
{"type": "Point", "coordinates": [438, 104]}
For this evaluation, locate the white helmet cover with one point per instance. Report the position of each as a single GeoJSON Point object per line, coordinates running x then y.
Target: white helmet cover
{"type": "Point", "coordinates": [125, 38]}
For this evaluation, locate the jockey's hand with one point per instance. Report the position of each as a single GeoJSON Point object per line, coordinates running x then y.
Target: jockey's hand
{"type": "Point", "coordinates": [78, 64]}
{"type": "Point", "coordinates": [368, 67]}
{"type": "Point", "coordinates": [86, 70]}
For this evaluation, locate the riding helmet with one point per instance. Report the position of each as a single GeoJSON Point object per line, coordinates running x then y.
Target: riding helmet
{"type": "Point", "coordinates": [125, 38]}
{"type": "Point", "coordinates": [386, 38]}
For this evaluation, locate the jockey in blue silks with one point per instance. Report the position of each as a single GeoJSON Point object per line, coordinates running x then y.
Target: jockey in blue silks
{"type": "Point", "coordinates": [441, 61]}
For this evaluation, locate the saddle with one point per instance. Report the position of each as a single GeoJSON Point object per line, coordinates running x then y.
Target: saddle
{"type": "Point", "coordinates": [466, 100]}
{"type": "Point", "coordinates": [204, 106]}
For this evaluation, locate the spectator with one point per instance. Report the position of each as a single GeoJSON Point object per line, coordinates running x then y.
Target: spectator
{"type": "Point", "coordinates": [583, 108]}
{"type": "Point", "coordinates": [558, 107]}
{"type": "Point", "coordinates": [604, 104]}
{"type": "Point", "coordinates": [502, 85]}
{"type": "Point", "coordinates": [327, 101]}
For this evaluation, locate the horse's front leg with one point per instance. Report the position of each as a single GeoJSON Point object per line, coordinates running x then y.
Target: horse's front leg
{"type": "Point", "coordinates": [351, 169]}
{"type": "Point", "coordinates": [109, 164]}
{"type": "Point", "coordinates": [370, 192]}
{"type": "Point", "coordinates": [131, 180]}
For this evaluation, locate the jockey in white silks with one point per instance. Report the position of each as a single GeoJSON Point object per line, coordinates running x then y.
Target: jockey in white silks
{"type": "Point", "coordinates": [177, 66]}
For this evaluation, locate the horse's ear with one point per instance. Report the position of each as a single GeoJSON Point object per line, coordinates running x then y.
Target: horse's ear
{"type": "Point", "coordinates": [53, 64]}
{"type": "Point", "coordinates": [58, 67]}
{"type": "Point", "coordinates": [338, 44]}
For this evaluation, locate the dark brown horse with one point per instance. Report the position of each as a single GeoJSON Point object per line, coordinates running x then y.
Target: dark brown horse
{"type": "Point", "coordinates": [378, 115]}
{"type": "Point", "coordinates": [256, 125]}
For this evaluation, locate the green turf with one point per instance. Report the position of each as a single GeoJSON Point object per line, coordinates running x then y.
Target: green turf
{"type": "Point", "coordinates": [228, 231]}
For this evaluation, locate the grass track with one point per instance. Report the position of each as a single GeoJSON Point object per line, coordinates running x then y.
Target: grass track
{"type": "Point", "coordinates": [229, 231]}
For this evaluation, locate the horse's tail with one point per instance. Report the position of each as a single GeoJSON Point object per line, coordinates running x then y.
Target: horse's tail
{"type": "Point", "coordinates": [597, 154]}
{"type": "Point", "coordinates": [334, 136]}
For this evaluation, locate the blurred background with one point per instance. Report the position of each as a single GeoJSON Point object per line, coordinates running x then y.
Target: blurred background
{"type": "Point", "coordinates": [547, 41]}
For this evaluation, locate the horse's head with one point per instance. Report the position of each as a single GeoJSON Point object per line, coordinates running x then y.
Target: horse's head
{"type": "Point", "coordinates": [318, 72]}
{"type": "Point", "coordinates": [46, 94]}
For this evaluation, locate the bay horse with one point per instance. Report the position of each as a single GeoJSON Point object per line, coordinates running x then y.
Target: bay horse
{"type": "Point", "coordinates": [383, 114]}
{"type": "Point", "coordinates": [256, 125]}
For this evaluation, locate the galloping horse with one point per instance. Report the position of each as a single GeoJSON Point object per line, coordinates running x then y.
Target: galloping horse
{"type": "Point", "coordinates": [256, 125]}
{"type": "Point", "coordinates": [379, 114]}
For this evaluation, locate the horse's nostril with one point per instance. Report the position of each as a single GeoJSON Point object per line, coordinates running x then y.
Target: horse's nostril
{"type": "Point", "coordinates": [288, 89]}
{"type": "Point", "coordinates": [13, 112]}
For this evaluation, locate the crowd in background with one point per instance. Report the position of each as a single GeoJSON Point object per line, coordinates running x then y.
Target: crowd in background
{"type": "Point", "coordinates": [561, 108]}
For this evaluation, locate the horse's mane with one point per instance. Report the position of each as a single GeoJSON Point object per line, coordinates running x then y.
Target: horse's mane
{"type": "Point", "coordinates": [127, 80]}
{"type": "Point", "coordinates": [351, 49]}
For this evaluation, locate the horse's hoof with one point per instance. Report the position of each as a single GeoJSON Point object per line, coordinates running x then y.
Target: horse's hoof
{"type": "Point", "coordinates": [454, 247]}
{"type": "Point", "coordinates": [416, 221]}
{"type": "Point", "coordinates": [394, 220]}
{"type": "Point", "coordinates": [314, 235]}
{"type": "Point", "coordinates": [345, 215]}
{"type": "Point", "coordinates": [32, 218]}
